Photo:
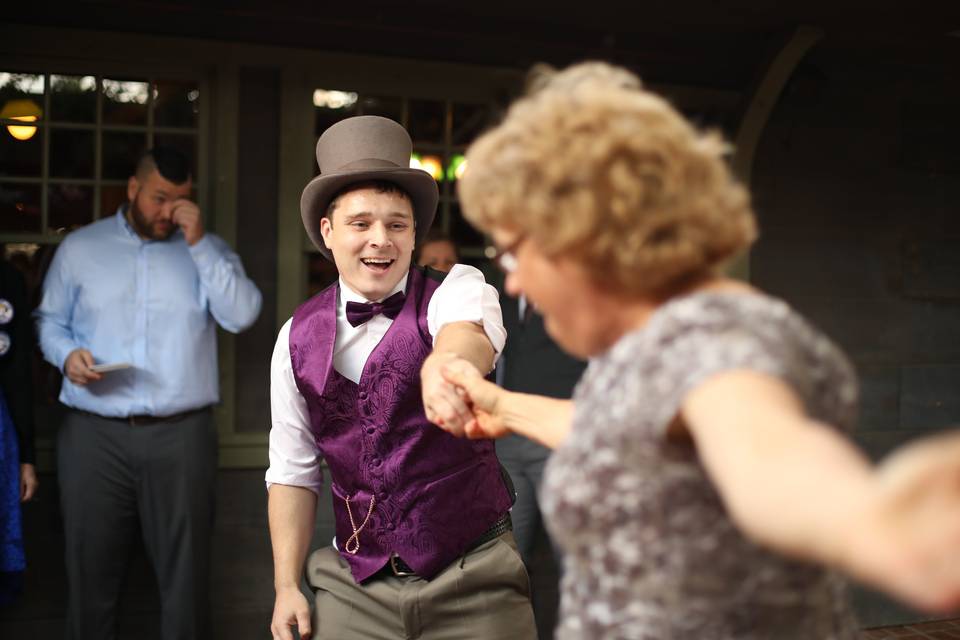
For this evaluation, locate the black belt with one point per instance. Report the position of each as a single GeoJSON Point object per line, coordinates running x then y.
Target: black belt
{"type": "Point", "coordinates": [398, 567]}
{"type": "Point", "coordinates": [140, 420]}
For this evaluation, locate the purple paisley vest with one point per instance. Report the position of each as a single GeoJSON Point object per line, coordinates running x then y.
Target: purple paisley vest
{"type": "Point", "coordinates": [429, 494]}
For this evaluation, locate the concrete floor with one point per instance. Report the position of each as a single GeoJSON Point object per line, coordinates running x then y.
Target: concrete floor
{"type": "Point", "coordinates": [941, 630]}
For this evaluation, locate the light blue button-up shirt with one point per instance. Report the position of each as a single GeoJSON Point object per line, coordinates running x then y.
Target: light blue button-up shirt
{"type": "Point", "coordinates": [152, 304]}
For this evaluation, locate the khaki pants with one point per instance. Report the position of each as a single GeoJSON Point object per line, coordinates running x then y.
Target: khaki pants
{"type": "Point", "coordinates": [486, 596]}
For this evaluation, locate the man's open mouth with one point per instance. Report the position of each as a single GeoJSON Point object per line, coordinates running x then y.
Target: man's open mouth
{"type": "Point", "coordinates": [377, 264]}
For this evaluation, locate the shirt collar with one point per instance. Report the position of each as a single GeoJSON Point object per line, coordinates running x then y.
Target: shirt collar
{"type": "Point", "coordinates": [124, 224]}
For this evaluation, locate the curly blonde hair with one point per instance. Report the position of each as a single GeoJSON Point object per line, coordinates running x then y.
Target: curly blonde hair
{"type": "Point", "coordinates": [591, 166]}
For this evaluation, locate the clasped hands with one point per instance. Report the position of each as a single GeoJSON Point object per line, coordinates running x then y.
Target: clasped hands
{"type": "Point", "coordinates": [458, 399]}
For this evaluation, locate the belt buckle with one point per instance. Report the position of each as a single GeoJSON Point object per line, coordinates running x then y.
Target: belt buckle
{"type": "Point", "coordinates": [396, 570]}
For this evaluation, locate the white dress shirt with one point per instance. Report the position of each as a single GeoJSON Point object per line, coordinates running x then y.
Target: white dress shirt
{"type": "Point", "coordinates": [294, 457]}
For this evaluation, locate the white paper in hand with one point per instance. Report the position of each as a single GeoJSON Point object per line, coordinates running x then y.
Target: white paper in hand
{"type": "Point", "coordinates": [111, 366]}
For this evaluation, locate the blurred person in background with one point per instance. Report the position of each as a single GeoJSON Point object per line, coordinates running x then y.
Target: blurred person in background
{"type": "Point", "coordinates": [438, 251]}
{"type": "Point", "coordinates": [143, 291]}
{"type": "Point", "coordinates": [18, 475]}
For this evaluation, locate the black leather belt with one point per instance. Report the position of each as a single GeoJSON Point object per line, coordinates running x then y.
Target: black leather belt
{"type": "Point", "coordinates": [144, 419]}
{"type": "Point", "coordinates": [398, 567]}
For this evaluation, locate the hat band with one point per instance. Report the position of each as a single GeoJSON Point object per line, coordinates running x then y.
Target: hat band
{"type": "Point", "coordinates": [369, 163]}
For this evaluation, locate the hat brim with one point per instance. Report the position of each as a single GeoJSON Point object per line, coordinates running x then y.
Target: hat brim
{"type": "Point", "coordinates": [419, 185]}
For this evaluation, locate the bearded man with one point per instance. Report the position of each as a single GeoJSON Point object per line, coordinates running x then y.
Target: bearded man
{"type": "Point", "coordinates": [129, 313]}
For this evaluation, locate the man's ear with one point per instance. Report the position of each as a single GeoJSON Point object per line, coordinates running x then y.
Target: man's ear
{"type": "Point", "coordinates": [326, 228]}
{"type": "Point", "coordinates": [133, 185]}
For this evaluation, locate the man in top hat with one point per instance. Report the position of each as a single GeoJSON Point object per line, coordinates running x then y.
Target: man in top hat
{"type": "Point", "coordinates": [423, 545]}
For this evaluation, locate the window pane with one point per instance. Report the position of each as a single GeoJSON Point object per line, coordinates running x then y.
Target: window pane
{"type": "Point", "coordinates": [21, 157]}
{"type": "Point", "coordinates": [73, 98]}
{"type": "Point", "coordinates": [187, 145]}
{"type": "Point", "coordinates": [176, 104]}
{"type": "Point", "coordinates": [331, 106]}
{"type": "Point", "coordinates": [23, 255]}
{"type": "Point", "coordinates": [20, 207]}
{"type": "Point", "coordinates": [21, 105]}
{"type": "Point", "coordinates": [120, 153]}
{"type": "Point", "coordinates": [71, 153]}
{"type": "Point", "coordinates": [125, 101]}
{"type": "Point", "coordinates": [320, 273]}
{"type": "Point", "coordinates": [20, 91]}
{"type": "Point", "coordinates": [427, 121]}
{"type": "Point", "coordinates": [461, 231]}
{"type": "Point", "coordinates": [111, 198]}
{"type": "Point", "coordinates": [71, 206]}
{"type": "Point", "coordinates": [469, 121]}
{"type": "Point", "coordinates": [386, 106]}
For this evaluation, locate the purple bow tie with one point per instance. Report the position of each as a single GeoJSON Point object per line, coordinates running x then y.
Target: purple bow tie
{"type": "Point", "coordinates": [360, 312]}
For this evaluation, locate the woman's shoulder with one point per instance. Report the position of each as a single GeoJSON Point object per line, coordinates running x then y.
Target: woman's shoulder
{"type": "Point", "coordinates": [715, 329]}
{"type": "Point", "coordinates": [710, 317]}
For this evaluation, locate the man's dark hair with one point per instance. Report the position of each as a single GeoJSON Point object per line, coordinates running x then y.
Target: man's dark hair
{"type": "Point", "coordinates": [380, 186]}
{"type": "Point", "coordinates": [169, 162]}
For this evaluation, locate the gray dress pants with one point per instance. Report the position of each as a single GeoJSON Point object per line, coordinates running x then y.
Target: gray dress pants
{"type": "Point", "coordinates": [484, 595]}
{"type": "Point", "coordinates": [117, 479]}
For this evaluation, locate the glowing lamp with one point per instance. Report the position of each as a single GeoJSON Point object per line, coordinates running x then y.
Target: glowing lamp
{"type": "Point", "coordinates": [458, 164]}
{"type": "Point", "coordinates": [430, 164]}
{"type": "Point", "coordinates": [433, 166]}
{"type": "Point", "coordinates": [22, 110]}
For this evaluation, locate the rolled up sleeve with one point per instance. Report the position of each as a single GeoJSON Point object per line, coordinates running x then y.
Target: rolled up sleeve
{"type": "Point", "coordinates": [464, 296]}
{"type": "Point", "coordinates": [294, 455]}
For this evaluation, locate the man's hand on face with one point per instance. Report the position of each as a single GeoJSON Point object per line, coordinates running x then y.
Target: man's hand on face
{"type": "Point", "coordinates": [77, 367]}
{"type": "Point", "coordinates": [186, 215]}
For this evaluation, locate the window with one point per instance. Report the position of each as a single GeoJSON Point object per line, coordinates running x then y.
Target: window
{"type": "Point", "coordinates": [68, 143]}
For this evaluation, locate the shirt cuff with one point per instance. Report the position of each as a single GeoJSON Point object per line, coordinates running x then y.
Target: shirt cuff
{"type": "Point", "coordinates": [272, 477]}
{"type": "Point", "coordinates": [204, 252]}
{"type": "Point", "coordinates": [62, 352]}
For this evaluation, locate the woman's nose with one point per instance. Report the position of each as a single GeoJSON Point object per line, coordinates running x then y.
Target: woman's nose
{"type": "Point", "coordinates": [512, 284]}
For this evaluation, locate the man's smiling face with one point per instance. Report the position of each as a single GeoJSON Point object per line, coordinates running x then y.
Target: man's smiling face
{"type": "Point", "coordinates": [371, 236]}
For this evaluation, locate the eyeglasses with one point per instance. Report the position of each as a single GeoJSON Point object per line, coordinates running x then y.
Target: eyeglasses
{"type": "Point", "coordinates": [506, 258]}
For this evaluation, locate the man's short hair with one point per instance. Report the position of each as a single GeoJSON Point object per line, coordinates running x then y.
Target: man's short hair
{"type": "Point", "coordinates": [169, 162]}
{"type": "Point", "coordinates": [380, 186]}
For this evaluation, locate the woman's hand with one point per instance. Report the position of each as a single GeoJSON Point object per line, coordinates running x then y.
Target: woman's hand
{"type": "Point", "coordinates": [907, 539]}
{"type": "Point", "coordinates": [484, 398]}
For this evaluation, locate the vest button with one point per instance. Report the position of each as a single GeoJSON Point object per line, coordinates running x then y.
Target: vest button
{"type": "Point", "coordinates": [362, 395]}
{"type": "Point", "coordinates": [390, 526]}
{"type": "Point", "coordinates": [371, 430]}
{"type": "Point", "coordinates": [375, 462]}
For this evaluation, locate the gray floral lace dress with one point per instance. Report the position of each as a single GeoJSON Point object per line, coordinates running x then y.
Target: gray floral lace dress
{"type": "Point", "coordinates": [651, 553]}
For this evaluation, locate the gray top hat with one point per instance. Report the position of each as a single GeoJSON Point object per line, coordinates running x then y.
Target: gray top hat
{"type": "Point", "coordinates": [360, 149]}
